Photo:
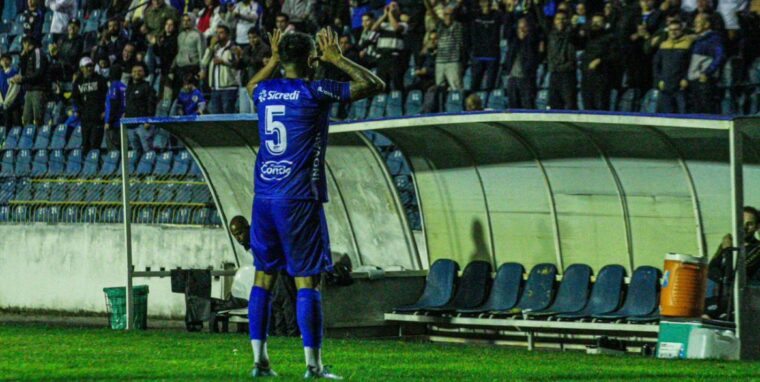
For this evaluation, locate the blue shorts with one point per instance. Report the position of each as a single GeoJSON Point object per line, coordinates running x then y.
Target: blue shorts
{"type": "Point", "coordinates": [291, 235]}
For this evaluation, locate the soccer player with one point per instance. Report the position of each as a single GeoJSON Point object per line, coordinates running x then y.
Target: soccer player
{"type": "Point", "coordinates": [289, 229]}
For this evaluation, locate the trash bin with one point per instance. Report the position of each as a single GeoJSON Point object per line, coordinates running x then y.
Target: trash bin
{"type": "Point", "coordinates": [116, 306]}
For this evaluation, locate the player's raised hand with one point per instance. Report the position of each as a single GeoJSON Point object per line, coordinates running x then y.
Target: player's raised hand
{"type": "Point", "coordinates": [274, 41]}
{"type": "Point", "coordinates": [328, 45]}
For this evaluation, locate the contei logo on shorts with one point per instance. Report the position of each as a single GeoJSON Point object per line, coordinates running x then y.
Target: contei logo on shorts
{"type": "Point", "coordinates": [273, 95]}
{"type": "Point", "coordinates": [273, 170]}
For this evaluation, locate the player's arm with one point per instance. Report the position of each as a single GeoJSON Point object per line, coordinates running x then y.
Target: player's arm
{"type": "Point", "coordinates": [271, 66]}
{"type": "Point", "coordinates": [364, 83]}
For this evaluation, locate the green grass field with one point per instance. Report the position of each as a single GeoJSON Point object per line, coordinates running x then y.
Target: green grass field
{"type": "Point", "coordinates": [39, 352]}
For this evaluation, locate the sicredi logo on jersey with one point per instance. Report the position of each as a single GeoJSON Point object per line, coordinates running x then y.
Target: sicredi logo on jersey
{"type": "Point", "coordinates": [273, 95]}
{"type": "Point", "coordinates": [274, 170]}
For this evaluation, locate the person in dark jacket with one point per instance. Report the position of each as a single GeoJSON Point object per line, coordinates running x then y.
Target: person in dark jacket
{"type": "Point", "coordinates": [598, 58]}
{"type": "Point", "coordinates": [88, 97]}
{"type": "Point", "coordinates": [707, 57]}
{"type": "Point", "coordinates": [141, 102]}
{"type": "Point", "coordinates": [70, 49]}
{"type": "Point", "coordinates": [484, 43]}
{"type": "Point", "coordinates": [32, 20]}
{"type": "Point", "coordinates": [671, 66]}
{"type": "Point", "coordinates": [116, 103]}
{"type": "Point", "coordinates": [562, 43]}
{"type": "Point", "coordinates": [639, 22]}
{"type": "Point", "coordinates": [33, 77]}
{"type": "Point", "coordinates": [521, 64]}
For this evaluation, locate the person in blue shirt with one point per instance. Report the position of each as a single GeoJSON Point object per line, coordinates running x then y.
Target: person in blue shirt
{"type": "Point", "coordinates": [190, 100]}
{"type": "Point", "coordinates": [116, 104]}
{"type": "Point", "coordinates": [288, 229]}
{"type": "Point", "coordinates": [9, 97]}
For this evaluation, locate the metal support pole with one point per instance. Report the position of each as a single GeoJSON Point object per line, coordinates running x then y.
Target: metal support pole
{"type": "Point", "coordinates": [127, 224]}
{"type": "Point", "coordinates": [737, 207]}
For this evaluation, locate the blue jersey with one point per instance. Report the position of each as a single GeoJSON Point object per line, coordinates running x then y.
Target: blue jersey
{"type": "Point", "coordinates": [293, 119]}
{"type": "Point", "coordinates": [192, 102]}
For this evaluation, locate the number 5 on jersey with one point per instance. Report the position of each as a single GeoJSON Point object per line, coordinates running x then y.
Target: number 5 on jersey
{"type": "Point", "coordinates": [279, 144]}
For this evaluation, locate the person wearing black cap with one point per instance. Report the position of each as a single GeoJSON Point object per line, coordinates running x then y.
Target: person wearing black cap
{"type": "Point", "coordinates": [88, 97]}
{"type": "Point", "coordinates": [34, 79]}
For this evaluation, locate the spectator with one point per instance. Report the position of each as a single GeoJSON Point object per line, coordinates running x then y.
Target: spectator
{"type": "Point", "coordinates": [330, 71]}
{"type": "Point", "coordinates": [103, 66]}
{"type": "Point", "coordinates": [190, 48]}
{"type": "Point", "coordinates": [165, 48]}
{"type": "Point", "coordinates": [56, 72]}
{"type": "Point", "coordinates": [208, 17]}
{"type": "Point", "coordinates": [116, 105]}
{"type": "Point", "coordinates": [638, 25]}
{"type": "Point", "coordinates": [88, 98]}
{"type": "Point", "coordinates": [367, 44]}
{"type": "Point", "coordinates": [157, 14]}
{"type": "Point", "coordinates": [671, 66]}
{"type": "Point", "coordinates": [720, 269]}
{"type": "Point", "coordinates": [117, 8]}
{"type": "Point", "coordinates": [64, 11]}
{"type": "Point", "coordinates": [126, 61]}
{"type": "Point", "coordinates": [190, 100]}
{"type": "Point", "coordinates": [254, 56]}
{"type": "Point", "coordinates": [9, 100]}
{"type": "Point", "coordinates": [33, 77]}
{"type": "Point", "coordinates": [424, 71]}
{"type": "Point", "coordinates": [342, 29]}
{"type": "Point", "coordinates": [390, 47]}
{"type": "Point", "coordinates": [70, 49]}
{"type": "Point", "coordinates": [599, 55]}
{"type": "Point", "coordinates": [484, 43]}
{"type": "Point", "coordinates": [112, 40]}
{"type": "Point", "coordinates": [579, 19]}
{"type": "Point", "coordinates": [448, 59]}
{"type": "Point", "coordinates": [561, 46]}
{"type": "Point", "coordinates": [301, 14]}
{"type": "Point", "coordinates": [246, 14]}
{"type": "Point", "coordinates": [521, 64]}
{"type": "Point", "coordinates": [269, 16]}
{"type": "Point", "coordinates": [221, 62]}
{"type": "Point", "coordinates": [282, 22]}
{"type": "Point", "coordinates": [32, 19]}
{"type": "Point", "coordinates": [707, 56]}
{"type": "Point", "coordinates": [141, 102]}
{"type": "Point", "coordinates": [473, 103]}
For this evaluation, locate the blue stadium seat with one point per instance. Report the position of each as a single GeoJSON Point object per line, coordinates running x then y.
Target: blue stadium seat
{"type": "Point", "coordinates": [91, 164]}
{"type": "Point", "coordinates": [472, 289]}
{"type": "Point", "coordinates": [161, 140]}
{"type": "Point", "coordinates": [20, 214]}
{"type": "Point", "coordinates": [483, 95]}
{"type": "Point", "coordinates": [605, 294]}
{"type": "Point", "coordinates": [43, 138]}
{"type": "Point", "coordinates": [184, 193]}
{"type": "Point", "coordinates": [41, 190]}
{"type": "Point", "coordinates": [454, 102]}
{"type": "Point", "coordinates": [163, 164]}
{"type": "Point", "coordinates": [41, 214]}
{"type": "Point", "coordinates": [163, 108]}
{"type": "Point", "coordinates": [93, 191]}
{"type": "Point", "coordinates": [245, 102]}
{"type": "Point", "coordinates": [377, 107]}
{"type": "Point", "coordinates": [93, 23]}
{"type": "Point", "coordinates": [754, 72]}
{"type": "Point", "coordinates": [440, 284]}
{"type": "Point", "coordinates": [112, 191]}
{"type": "Point", "coordinates": [497, 100]}
{"type": "Point", "coordinates": [11, 140]}
{"type": "Point", "coordinates": [467, 78]}
{"type": "Point", "coordinates": [539, 289]}
{"type": "Point", "coordinates": [613, 99]}
{"type": "Point", "coordinates": [649, 102]}
{"type": "Point", "coordinates": [145, 190]}
{"type": "Point", "coordinates": [358, 109]}
{"type": "Point", "coordinates": [40, 163]}
{"type": "Point", "coordinates": [70, 214]}
{"type": "Point", "coordinates": [8, 164]}
{"type": "Point", "coordinates": [132, 160]}
{"type": "Point", "coordinates": [627, 102]}
{"type": "Point", "coordinates": [413, 104]}
{"type": "Point", "coordinates": [24, 190]}
{"type": "Point", "coordinates": [90, 215]}
{"type": "Point", "coordinates": [334, 110]}
{"type": "Point", "coordinates": [2, 135]}
{"type": "Point", "coordinates": [195, 171]}
{"type": "Point", "coordinates": [74, 163]}
{"type": "Point", "coordinates": [111, 164]}
{"type": "Point", "coordinates": [541, 74]}
{"type": "Point", "coordinates": [7, 190]}
{"type": "Point", "coordinates": [5, 213]}
{"type": "Point", "coordinates": [542, 99]}
{"type": "Point", "coordinates": [75, 191]}
{"type": "Point", "coordinates": [16, 44]}
{"type": "Point", "coordinates": [166, 192]}
{"type": "Point", "coordinates": [505, 292]}
{"type": "Point", "coordinates": [147, 161]}
{"type": "Point", "coordinates": [200, 194]}
{"type": "Point", "coordinates": [75, 140]}
{"type": "Point", "coordinates": [166, 216]}
{"type": "Point", "coordinates": [728, 104]}
{"type": "Point", "coordinates": [56, 163]}
{"type": "Point", "coordinates": [642, 298]}
{"type": "Point", "coordinates": [214, 218]}
{"type": "Point", "coordinates": [182, 215]}
{"type": "Point", "coordinates": [145, 215]}
{"type": "Point", "coordinates": [112, 215]}
{"type": "Point", "coordinates": [409, 77]}
{"type": "Point", "coordinates": [58, 191]}
{"type": "Point", "coordinates": [201, 216]}
{"type": "Point", "coordinates": [23, 163]}
{"type": "Point", "coordinates": [181, 164]}
{"type": "Point", "coordinates": [579, 101]}
{"type": "Point", "coordinates": [26, 141]}
{"type": "Point", "coordinates": [572, 294]}
{"type": "Point", "coordinates": [58, 142]}
{"type": "Point", "coordinates": [394, 106]}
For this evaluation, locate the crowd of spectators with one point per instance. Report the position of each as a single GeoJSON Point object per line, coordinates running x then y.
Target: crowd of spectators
{"type": "Point", "coordinates": [106, 59]}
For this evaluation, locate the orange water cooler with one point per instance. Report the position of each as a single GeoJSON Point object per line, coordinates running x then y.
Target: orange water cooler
{"type": "Point", "coordinates": [683, 286]}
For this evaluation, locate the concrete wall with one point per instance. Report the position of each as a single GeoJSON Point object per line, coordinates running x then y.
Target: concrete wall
{"type": "Point", "coordinates": [66, 266]}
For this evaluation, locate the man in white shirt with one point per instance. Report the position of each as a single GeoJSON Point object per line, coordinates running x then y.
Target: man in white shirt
{"type": "Point", "coordinates": [246, 14]}
{"type": "Point", "coordinates": [63, 12]}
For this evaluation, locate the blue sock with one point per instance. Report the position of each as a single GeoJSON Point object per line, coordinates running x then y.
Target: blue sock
{"type": "Point", "coordinates": [309, 315]}
{"type": "Point", "coordinates": [259, 307]}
